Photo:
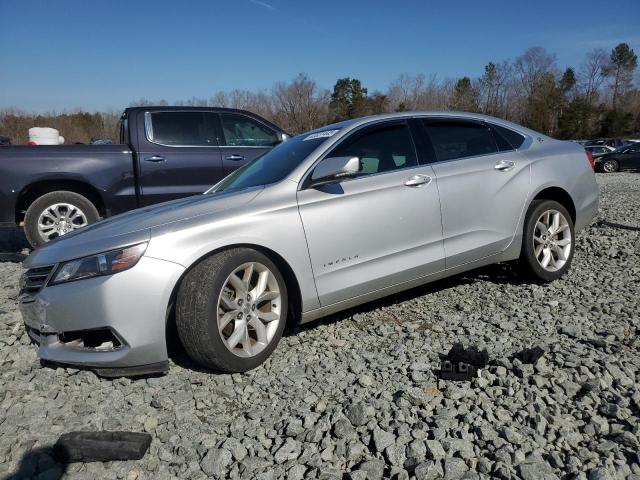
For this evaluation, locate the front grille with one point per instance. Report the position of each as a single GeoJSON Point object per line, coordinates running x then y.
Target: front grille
{"type": "Point", "coordinates": [34, 279]}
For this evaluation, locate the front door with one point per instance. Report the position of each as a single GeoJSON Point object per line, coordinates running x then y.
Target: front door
{"type": "Point", "coordinates": [379, 229]}
{"type": "Point", "coordinates": [630, 158]}
{"type": "Point", "coordinates": [482, 190]}
{"type": "Point", "coordinates": [179, 155]}
{"type": "Point", "coordinates": [244, 138]}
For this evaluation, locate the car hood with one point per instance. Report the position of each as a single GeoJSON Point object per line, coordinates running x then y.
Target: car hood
{"type": "Point", "coordinates": [135, 226]}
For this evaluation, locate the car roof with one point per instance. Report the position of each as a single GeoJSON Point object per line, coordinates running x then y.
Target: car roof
{"type": "Point", "coordinates": [427, 113]}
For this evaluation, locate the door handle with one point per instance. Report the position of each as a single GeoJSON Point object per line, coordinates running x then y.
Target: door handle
{"type": "Point", "coordinates": [505, 165]}
{"type": "Point", "coordinates": [418, 181]}
{"type": "Point", "coordinates": [234, 158]}
{"type": "Point", "coordinates": [154, 158]}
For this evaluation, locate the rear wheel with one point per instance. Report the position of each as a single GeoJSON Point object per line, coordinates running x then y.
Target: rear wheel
{"type": "Point", "coordinates": [548, 242]}
{"type": "Point", "coordinates": [231, 310]}
{"type": "Point", "coordinates": [55, 214]}
{"type": "Point", "coordinates": [610, 165]}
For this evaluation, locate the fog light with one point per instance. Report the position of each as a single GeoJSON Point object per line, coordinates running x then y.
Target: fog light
{"type": "Point", "coordinates": [99, 340]}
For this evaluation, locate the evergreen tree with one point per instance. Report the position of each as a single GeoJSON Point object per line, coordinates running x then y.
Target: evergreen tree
{"type": "Point", "coordinates": [623, 63]}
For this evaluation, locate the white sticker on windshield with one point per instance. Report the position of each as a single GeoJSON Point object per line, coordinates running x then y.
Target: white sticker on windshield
{"type": "Point", "coordinates": [325, 134]}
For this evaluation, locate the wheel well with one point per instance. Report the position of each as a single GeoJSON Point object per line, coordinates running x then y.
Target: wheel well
{"type": "Point", "coordinates": [293, 289]}
{"type": "Point", "coordinates": [561, 196]}
{"type": "Point", "coordinates": [32, 192]}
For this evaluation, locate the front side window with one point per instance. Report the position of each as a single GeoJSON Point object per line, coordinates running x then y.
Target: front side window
{"type": "Point", "coordinates": [380, 150]}
{"type": "Point", "coordinates": [243, 131]}
{"type": "Point", "coordinates": [453, 139]}
{"type": "Point", "coordinates": [181, 129]}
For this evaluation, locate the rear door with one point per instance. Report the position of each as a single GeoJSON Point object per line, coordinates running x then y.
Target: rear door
{"type": "Point", "coordinates": [379, 229]}
{"type": "Point", "coordinates": [178, 155]}
{"type": "Point", "coordinates": [243, 139]}
{"type": "Point", "coordinates": [483, 183]}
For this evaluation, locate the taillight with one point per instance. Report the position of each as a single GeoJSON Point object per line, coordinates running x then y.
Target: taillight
{"type": "Point", "coordinates": [592, 162]}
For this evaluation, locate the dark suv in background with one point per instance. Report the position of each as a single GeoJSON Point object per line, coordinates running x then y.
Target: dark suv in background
{"type": "Point", "coordinates": [164, 153]}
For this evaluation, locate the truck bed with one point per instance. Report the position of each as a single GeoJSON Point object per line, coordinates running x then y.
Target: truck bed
{"type": "Point", "coordinates": [107, 170]}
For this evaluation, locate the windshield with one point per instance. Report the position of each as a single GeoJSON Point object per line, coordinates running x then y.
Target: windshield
{"type": "Point", "coordinates": [274, 165]}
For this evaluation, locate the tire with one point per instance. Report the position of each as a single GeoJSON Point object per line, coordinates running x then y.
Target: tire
{"type": "Point", "coordinates": [610, 165]}
{"type": "Point", "coordinates": [534, 251]}
{"type": "Point", "coordinates": [200, 306]}
{"type": "Point", "coordinates": [53, 205]}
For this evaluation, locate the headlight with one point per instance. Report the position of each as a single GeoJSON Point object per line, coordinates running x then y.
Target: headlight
{"type": "Point", "coordinates": [106, 263]}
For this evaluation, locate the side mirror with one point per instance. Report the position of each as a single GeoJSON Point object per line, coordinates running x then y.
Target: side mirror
{"type": "Point", "coordinates": [334, 169]}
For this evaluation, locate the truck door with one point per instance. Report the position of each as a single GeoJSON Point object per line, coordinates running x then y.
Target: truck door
{"type": "Point", "coordinates": [243, 139]}
{"type": "Point", "coordinates": [178, 155]}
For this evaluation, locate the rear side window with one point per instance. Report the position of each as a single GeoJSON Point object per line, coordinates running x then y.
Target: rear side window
{"type": "Point", "coordinates": [380, 150]}
{"type": "Point", "coordinates": [184, 129]}
{"type": "Point", "coordinates": [243, 131]}
{"type": "Point", "coordinates": [124, 130]}
{"type": "Point", "coordinates": [507, 137]}
{"type": "Point", "coordinates": [453, 139]}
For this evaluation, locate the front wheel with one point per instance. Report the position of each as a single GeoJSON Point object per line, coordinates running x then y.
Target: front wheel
{"type": "Point", "coordinates": [231, 310]}
{"type": "Point", "coordinates": [548, 242]}
{"type": "Point", "coordinates": [610, 166]}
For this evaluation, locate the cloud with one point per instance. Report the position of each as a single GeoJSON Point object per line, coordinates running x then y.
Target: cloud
{"type": "Point", "coordinates": [291, 18]}
{"type": "Point", "coordinates": [262, 4]}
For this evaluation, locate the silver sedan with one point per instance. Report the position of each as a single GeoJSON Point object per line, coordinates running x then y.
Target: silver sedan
{"type": "Point", "coordinates": [327, 220]}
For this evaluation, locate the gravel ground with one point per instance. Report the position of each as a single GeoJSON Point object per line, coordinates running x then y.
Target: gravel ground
{"type": "Point", "coordinates": [355, 396]}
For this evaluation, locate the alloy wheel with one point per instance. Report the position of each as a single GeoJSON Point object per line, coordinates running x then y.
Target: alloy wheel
{"type": "Point", "coordinates": [248, 309]}
{"type": "Point", "coordinates": [609, 166]}
{"type": "Point", "coordinates": [552, 240]}
{"type": "Point", "coordinates": [59, 219]}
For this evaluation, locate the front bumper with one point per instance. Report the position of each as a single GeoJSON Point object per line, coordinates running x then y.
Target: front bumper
{"type": "Point", "coordinates": [131, 306]}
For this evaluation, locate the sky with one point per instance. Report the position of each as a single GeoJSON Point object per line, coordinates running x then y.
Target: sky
{"type": "Point", "coordinates": [103, 54]}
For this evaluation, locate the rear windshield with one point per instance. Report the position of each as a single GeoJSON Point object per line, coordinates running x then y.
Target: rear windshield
{"type": "Point", "coordinates": [274, 165]}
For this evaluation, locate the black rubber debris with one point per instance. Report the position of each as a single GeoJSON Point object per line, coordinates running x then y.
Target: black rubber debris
{"type": "Point", "coordinates": [457, 371]}
{"type": "Point", "coordinates": [101, 446]}
{"type": "Point", "coordinates": [462, 363]}
{"type": "Point", "coordinates": [529, 355]}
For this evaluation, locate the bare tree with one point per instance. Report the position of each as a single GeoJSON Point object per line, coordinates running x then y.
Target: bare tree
{"type": "Point", "coordinates": [592, 73]}
{"type": "Point", "coordinates": [493, 87]}
{"type": "Point", "coordinates": [534, 66]}
{"type": "Point", "coordinates": [417, 93]}
{"type": "Point", "coordinates": [300, 105]}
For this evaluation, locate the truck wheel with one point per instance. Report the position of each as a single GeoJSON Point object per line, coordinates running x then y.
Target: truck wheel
{"type": "Point", "coordinates": [548, 241]}
{"type": "Point", "coordinates": [56, 213]}
{"type": "Point", "coordinates": [231, 310]}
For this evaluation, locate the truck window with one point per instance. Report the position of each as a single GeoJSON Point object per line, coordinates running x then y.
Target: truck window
{"type": "Point", "coordinates": [124, 130]}
{"type": "Point", "coordinates": [180, 129]}
{"type": "Point", "coordinates": [243, 131]}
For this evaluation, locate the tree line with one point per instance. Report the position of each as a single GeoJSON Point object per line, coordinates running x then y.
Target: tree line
{"type": "Point", "coordinates": [597, 98]}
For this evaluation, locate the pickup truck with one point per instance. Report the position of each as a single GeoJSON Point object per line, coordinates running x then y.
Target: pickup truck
{"type": "Point", "coordinates": [164, 153]}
